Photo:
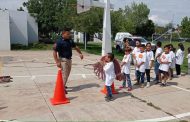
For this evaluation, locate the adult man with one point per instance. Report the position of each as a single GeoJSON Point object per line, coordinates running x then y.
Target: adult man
{"type": "Point", "coordinates": [62, 53]}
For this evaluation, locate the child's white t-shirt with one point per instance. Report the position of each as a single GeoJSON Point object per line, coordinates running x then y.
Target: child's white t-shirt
{"type": "Point", "coordinates": [141, 57]}
{"type": "Point", "coordinates": [165, 58]}
{"type": "Point", "coordinates": [149, 58]}
{"type": "Point", "coordinates": [188, 57]}
{"type": "Point", "coordinates": [110, 73]}
{"type": "Point", "coordinates": [179, 57]}
{"type": "Point", "coordinates": [136, 50]}
{"type": "Point", "coordinates": [126, 67]}
{"type": "Point", "coordinates": [158, 51]}
{"type": "Point", "coordinates": [172, 65]}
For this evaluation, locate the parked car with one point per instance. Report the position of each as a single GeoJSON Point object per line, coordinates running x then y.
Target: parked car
{"type": "Point", "coordinates": [119, 44]}
{"type": "Point", "coordinates": [119, 39]}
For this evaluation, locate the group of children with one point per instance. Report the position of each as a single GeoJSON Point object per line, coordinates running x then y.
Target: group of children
{"type": "Point", "coordinates": [164, 61]}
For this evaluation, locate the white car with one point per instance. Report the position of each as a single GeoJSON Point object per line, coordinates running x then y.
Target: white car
{"type": "Point", "coordinates": [119, 45]}
{"type": "Point", "coordinates": [119, 39]}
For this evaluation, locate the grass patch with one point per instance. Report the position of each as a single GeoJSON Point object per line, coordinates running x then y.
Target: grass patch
{"type": "Point", "coordinates": [96, 48]}
{"type": "Point", "coordinates": [33, 46]}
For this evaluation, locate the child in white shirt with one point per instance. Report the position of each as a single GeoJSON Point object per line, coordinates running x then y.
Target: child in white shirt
{"type": "Point", "coordinates": [149, 62]}
{"type": "Point", "coordinates": [156, 63]}
{"type": "Point", "coordinates": [135, 51]}
{"type": "Point", "coordinates": [179, 58]}
{"type": "Point", "coordinates": [172, 64]}
{"type": "Point", "coordinates": [140, 66]}
{"type": "Point", "coordinates": [188, 57]}
{"type": "Point", "coordinates": [126, 62]}
{"type": "Point", "coordinates": [110, 75]}
{"type": "Point", "coordinates": [165, 59]}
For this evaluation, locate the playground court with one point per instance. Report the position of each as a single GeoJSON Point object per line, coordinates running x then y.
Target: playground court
{"type": "Point", "coordinates": [34, 75]}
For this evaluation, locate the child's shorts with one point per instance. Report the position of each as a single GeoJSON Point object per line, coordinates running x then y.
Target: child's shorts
{"type": "Point", "coordinates": [163, 72]}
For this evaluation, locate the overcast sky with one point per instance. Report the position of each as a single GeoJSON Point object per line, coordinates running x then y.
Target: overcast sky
{"type": "Point", "coordinates": [161, 11]}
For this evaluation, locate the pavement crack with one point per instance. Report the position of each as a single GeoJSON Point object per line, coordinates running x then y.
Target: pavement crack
{"type": "Point", "coordinates": [153, 106]}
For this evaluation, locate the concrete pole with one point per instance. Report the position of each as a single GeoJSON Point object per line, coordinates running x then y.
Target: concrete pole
{"type": "Point", "coordinates": [106, 42]}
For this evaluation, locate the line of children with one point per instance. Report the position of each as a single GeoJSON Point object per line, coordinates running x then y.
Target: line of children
{"type": "Point", "coordinates": [164, 63]}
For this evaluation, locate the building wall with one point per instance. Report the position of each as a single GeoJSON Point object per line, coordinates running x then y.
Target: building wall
{"type": "Point", "coordinates": [32, 29]}
{"type": "Point", "coordinates": [4, 31]}
{"type": "Point", "coordinates": [18, 27]}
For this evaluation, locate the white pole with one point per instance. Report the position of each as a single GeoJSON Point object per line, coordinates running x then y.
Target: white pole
{"type": "Point", "coordinates": [106, 42]}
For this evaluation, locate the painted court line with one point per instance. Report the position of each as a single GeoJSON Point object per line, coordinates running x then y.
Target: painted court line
{"type": "Point", "coordinates": [166, 118]}
{"type": "Point", "coordinates": [86, 59]}
{"type": "Point", "coordinates": [84, 76]}
{"type": "Point", "coordinates": [180, 88]}
{"type": "Point", "coordinates": [34, 76]}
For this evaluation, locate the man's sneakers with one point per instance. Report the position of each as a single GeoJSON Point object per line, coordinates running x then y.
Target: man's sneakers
{"type": "Point", "coordinates": [148, 84]}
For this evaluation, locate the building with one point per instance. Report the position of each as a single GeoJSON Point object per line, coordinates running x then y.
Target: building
{"type": "Point", "coordinates": [17, 27]}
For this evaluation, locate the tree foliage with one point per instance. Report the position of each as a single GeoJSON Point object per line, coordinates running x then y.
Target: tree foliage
{"type": "Point", "coordinates": [146, 29]}
{"type": "Point", "coordinates": [54, 15]}
{"type": "Point", "coordinates": [185, 27]}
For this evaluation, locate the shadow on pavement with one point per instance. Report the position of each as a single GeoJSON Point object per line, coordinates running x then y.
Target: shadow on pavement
{"type": "Point", "coordinates": [81, 87]}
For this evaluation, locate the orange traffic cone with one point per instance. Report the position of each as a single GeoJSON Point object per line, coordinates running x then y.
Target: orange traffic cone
{"type": "Point", "coordinates": [59, 93]}
{"type": "Point", "coordinates": [104, 90]}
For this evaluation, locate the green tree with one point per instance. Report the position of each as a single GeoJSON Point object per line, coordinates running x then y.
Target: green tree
{"type": "Point", "coordinates": [117, 21]}
{"type": "Point", "coordinates": [146, 29]}
{"type": "Point", "coordinates": [52, 15]}
{"type": "Point", "coordinates": [90, 22]}
{"type": "Point", "coordinates": [136, 15]}
{"type": "Point", "coordinates": [185, 27]}
{"type": "Point", "coordinates": [160, 29]}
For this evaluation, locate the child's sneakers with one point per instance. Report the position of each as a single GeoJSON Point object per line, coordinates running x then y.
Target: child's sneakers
{"type": "Point", "coordinates": [122, 87]}
{"type": "Point", "coordinates": [142, 85]}
{"type": "Point", "coordinates": [129, 89]}
{"type": "Point", "coordinates": [137, 83]}
{"type": "Point", "coordinates": [148, 84]}
{"type": "Point", "coordinates": [163, 84]}
{"type": "Point", "coordinates": [108, 99]}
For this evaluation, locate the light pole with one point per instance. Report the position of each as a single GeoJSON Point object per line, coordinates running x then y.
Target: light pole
{"type": "Point", "coordinates": [106, 41]}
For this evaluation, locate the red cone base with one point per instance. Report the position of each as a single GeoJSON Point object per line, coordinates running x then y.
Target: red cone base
{"type": "Point", "coordinates": [104, 90]}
